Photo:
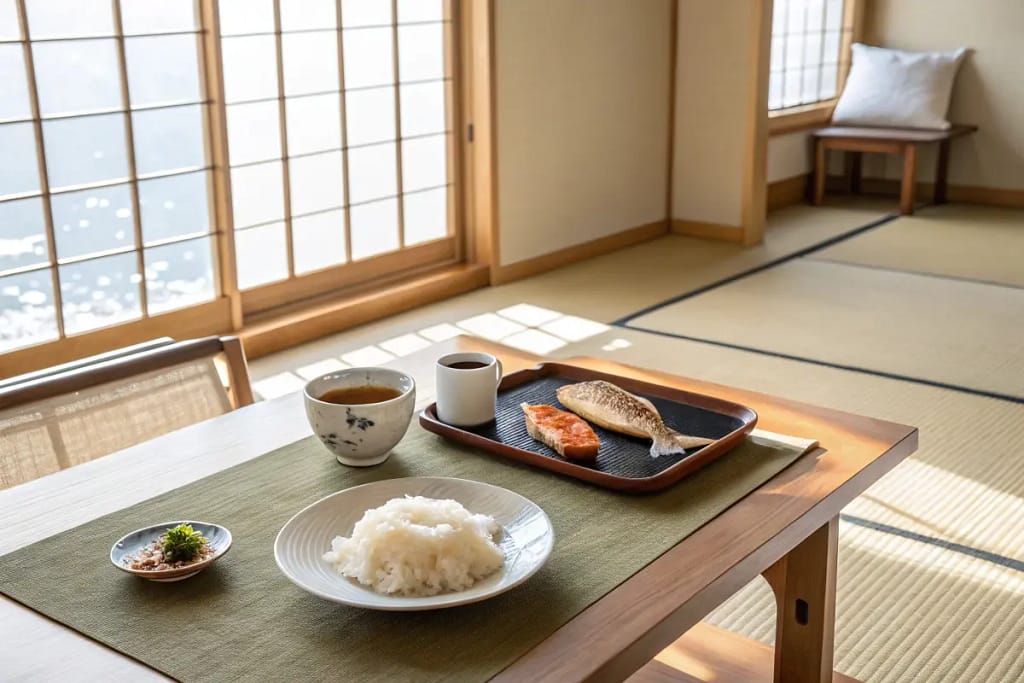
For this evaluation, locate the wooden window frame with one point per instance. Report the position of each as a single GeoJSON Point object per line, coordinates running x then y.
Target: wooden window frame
{"type": "Point", "coordinates": [818, 114]}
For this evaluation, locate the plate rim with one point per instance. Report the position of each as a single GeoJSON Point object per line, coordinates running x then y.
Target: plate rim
{"type": "Point", "coordinates": [427, 605]}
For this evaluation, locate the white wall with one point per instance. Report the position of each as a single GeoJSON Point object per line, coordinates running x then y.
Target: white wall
{"type": "Point", "coordinates": [714, 74]}
{"type": "Point", "coordinates": [789, 155]}
{"type": "Point", "coordinates": [989, 90]}
{"type": "Point", "coordinates": [581, 118]}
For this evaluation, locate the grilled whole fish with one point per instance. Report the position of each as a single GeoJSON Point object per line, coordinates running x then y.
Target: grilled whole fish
{"type": "Point", "coordinates": [608, 406]}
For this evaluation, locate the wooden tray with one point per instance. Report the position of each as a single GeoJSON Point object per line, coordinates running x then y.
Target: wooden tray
{"type": "Point", "coordinates": [624, 463]}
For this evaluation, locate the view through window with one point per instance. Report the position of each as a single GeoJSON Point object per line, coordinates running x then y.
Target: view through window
{"type": "Point", "coordinates": [336, 118]}
{"type": "Point", "coordinates": [806, 51]}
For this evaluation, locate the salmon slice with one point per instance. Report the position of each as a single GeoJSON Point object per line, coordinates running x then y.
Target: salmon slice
{"type": "Point", "coordinates": [567, 434]}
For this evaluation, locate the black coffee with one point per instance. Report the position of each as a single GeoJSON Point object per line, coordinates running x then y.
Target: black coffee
{"type": "Point", "coordinates": [466, 365]}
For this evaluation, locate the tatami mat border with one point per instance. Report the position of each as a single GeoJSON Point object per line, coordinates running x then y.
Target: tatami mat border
{"type": "Point", "coordinates": [622, 322]}
{"type": "Point", "coordinates": [827, 364]}
{"type": "Point", "coordinates": [939, 276]}
{"type": "Point", "coordinates": [995, 558]}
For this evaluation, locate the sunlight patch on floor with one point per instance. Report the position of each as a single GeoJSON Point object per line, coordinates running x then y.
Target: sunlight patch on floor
{"type": "Point", "coordinates": [526, 327]}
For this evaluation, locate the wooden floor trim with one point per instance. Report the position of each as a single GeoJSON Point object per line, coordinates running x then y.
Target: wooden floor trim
{"type": "Point", "coordinates": [579, 252]}
{"type": "Point", "coordinates": [968, 194]}
{"type": "Point", "coordinates": [787, 192]}
{"type": "Point", "coordinates": [293, 327]}
{"type": "Point", "coordinates": [709, 231]}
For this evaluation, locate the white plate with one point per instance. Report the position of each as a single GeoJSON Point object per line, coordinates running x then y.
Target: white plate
{"type": "Point", "coordinates": [527, 538]}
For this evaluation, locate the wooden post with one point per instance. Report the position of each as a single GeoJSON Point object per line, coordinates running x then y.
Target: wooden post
{"type": "Point", "coordinates": [820, 159]}
{"type": "Point", "coordinates": [804, 582]}
{"type": "Point", "coordinates": [941, 173]}
{"type": "Point", "coordinates": [909, 179]}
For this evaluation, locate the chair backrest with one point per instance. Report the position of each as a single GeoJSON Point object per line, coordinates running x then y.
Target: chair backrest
{"type": "Point", "coordinates": [69, 415]}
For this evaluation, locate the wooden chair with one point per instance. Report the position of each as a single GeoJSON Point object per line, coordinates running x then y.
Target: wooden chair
{"type": "Point", "coordinates": [906, 141]}
{"type": "Point", "coordinates": [74, 413]}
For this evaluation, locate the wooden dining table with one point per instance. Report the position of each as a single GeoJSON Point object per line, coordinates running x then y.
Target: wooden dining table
{"type": "Point", "coordinates": [647, 629]}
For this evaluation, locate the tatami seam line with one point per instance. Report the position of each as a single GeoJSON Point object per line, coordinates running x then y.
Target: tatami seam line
{"type": "Point", "coordinates": [938, 276]}
{"type": "Point", "coordinates": [971, 551]}
{"type": "Point", "coordinates": [838, 366]}
{"type": "Point", "coordinates": [756, 269]}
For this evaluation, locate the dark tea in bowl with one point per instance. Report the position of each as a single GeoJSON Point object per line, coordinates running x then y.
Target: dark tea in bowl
{"type": "Point", "coordinates": [360, 414]}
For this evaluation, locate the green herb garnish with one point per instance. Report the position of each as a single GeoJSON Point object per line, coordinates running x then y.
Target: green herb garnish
{"type": "Point", "coordinates": [182, 543]}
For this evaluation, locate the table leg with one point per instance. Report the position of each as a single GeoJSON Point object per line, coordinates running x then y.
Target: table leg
{"type": "Point", "coordinates": [820, 157]}
{"type": "Point", "coordinates": [941, 173]}
{"type": "Point", "coordinates": [854, 161]}
{"type": "Point", "coordinates": [909, 179]}
{"type": "Point", "coordinates": [804, 582]}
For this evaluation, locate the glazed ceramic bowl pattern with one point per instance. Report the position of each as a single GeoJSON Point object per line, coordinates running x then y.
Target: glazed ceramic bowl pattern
{"type": "Point", "coordinates": [526, 540]}
{"type": "Point", "coordinates": [120, 555]}
{"type": "Point", "coordinates": [361, 434]}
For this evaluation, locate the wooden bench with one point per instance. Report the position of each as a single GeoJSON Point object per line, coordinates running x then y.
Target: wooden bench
{"type": "Point", "coordinates": [905, 141]}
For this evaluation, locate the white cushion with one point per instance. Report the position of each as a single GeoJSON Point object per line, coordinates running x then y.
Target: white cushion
{"type": "Point", "coordinates": [897, 88]}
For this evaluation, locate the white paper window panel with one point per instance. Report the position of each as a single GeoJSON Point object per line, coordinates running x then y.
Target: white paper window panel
{"type": "Point", "coordinates": [67, 18]}
{"type": "Point", "coordinates": [254, 132]}
{"type": "Point", "coordinates": [372, 173]}
{"type": "Point", "coordinates": [14, 103]}
{"type": "Point", "coordinates": [22, 221]}
{"type": "Point", "coordinates": [365, 12]}
{"type": "Point", "coordinates": [36, 320]}
{"type": "Point", "coordinates": [250, 67]}
{"type": "Point", "coordinates": [423, 108]}
{"type": "Point", "coordinates": [9, 27]}
{"type": "Point", "coordinates": [318, 241]}
{"type": "Point", "coordinates": [169, 139]}
{"type": "Point", "coordinates": [298, 15]}
{"type": "Point", "coordinates": [174, 206]}
{"type": "Point", "coordinates": [424, 162]}
{"type": "Point", "coordinates": [374, 228]}
{"type": "Point", "coordinates": [370, 115]}
{"type": "Point", "coordinates": [261, 255]}
{"type": "Point", "coordinates": [310, 62]}
{"type": "Point", "coordinates": [368, 57]}
{"type": "Point", "coordinates": [179, 274]}
{"type": "Point", "coordinates": [146, 16]}
{"type": "Point", "coordinates": [85, 150]}
{"type": "Point", "coordinates": [425, 215]}
{"type": "Point", "coordinates": [257, 194]}
{"type": "Point", "coordinates": [91, 221]}
{"type": "Point", "coordinates": [420, 52]}
{"type": "Point", "coordinates": [246, 16]}
{"type": "Point", "coordinates": [314, 123]}
{"type": "Point", "coordinates": [100, 292]}
{"type": "Point", "coordinates": [316, 182]}
{"type": "Point", "coordinates": [420, 10]}
{"type": "Point", "coordinates": [19, 171]}
{"type": "Point", "coordinates": [77, 76]}
{"type": "Point", "coordinates": [162, 69]}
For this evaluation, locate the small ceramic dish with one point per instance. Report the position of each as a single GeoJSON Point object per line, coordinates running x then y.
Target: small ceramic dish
{"type": "Point", "coordinates": [219, 539]}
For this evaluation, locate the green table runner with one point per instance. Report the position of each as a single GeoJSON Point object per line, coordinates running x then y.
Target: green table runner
{"type": "Point", "coordinates": [242, 619]}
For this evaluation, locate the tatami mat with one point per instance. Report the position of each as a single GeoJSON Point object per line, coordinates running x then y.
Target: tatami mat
{"type": "Point", "coordinates": [948, 331]}
{"type": "Point", "coordinates": [603, 288]}
{"type": "Point", "coordinates": [962, 241]}
{"type": "Point", "coordinates": [938, 595]}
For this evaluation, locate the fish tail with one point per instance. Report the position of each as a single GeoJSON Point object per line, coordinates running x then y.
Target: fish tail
{"type": "Point", "coordinates": [666, 444]}
{"type": "Point", "coordinates": [687, 441]}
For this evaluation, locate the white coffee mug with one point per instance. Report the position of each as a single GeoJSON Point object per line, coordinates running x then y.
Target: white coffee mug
{"type": "Point", "coordinates": [467, 388]}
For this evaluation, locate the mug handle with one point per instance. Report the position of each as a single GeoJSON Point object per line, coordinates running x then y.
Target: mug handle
{"type": "Point", "coordinates": [499, 370]}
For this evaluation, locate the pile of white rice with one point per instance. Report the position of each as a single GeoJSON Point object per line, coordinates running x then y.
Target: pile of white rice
{"type": "Point", "coordinates": [418, 546]}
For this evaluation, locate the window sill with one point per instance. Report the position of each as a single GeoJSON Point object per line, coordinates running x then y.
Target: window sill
{"type": "Point", "coordinates": [796, 119]}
